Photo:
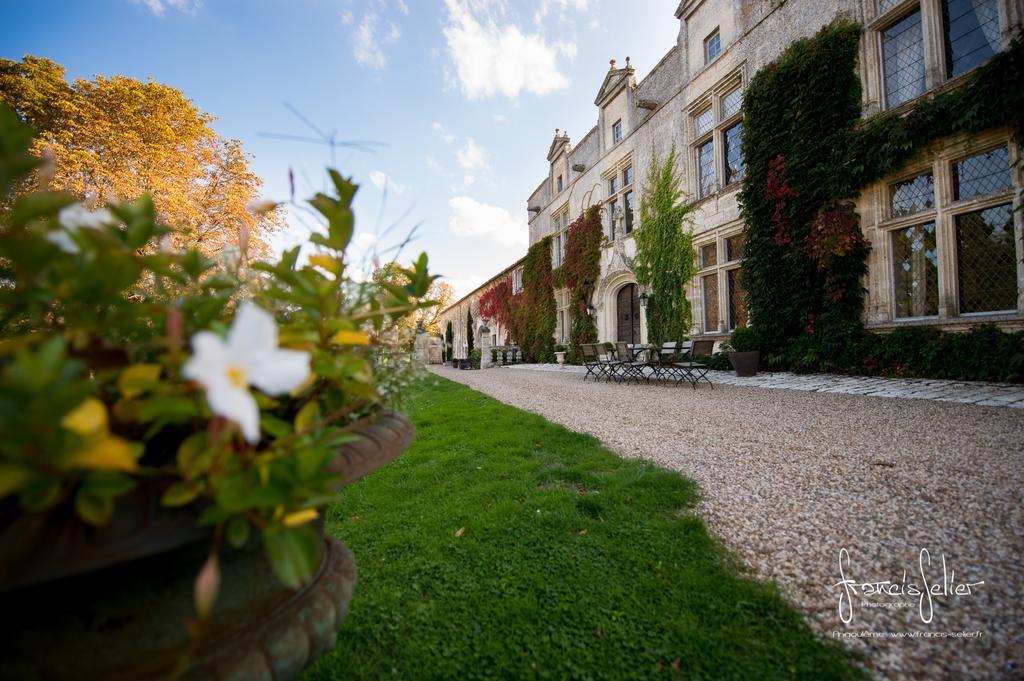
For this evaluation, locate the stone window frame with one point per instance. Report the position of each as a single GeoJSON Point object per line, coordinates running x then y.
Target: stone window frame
{"type": "Point", "coordinates": [560, 224]}
{"type": "Point", "coordinates": [934, 39]}
{"type": "Point", "coordinates": [517, 280]}
{"type": "Point", "coordinates": [562, 318]}
{"type": "Point", "coordinates": [944, 213]}
{"type": "Point", "coordinates": [713, 100]}
{"type": "Point", "coordinates": [618, 199]}
{"type": "Point", "coordinates": [721, 268]}
{"type": "Point", "coordinates": [617, 135]}
{"type": "Point", "coordinates": [716, 33]}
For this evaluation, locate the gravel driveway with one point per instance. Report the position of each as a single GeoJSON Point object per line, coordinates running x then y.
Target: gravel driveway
{"type": "Point", "coordinates": [790, 478]}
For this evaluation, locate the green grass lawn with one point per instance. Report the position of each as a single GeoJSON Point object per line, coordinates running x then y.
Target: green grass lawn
{"type": "Point", "coordinates": [504, 546]}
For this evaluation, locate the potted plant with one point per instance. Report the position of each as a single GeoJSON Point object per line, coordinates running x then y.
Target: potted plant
{"type": "Point", "coordinates": [744, 351]}
{"type": "Point", "coordinates": [560, 353]}
{"type": "Point", "coordinates": [474, 358]}
{"type": "Point", "coordinates": [171, 430]}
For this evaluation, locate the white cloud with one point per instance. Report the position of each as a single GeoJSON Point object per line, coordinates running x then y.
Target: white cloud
{"type": "Point", "coordinates": [383, 182]}
{"type": "Point", "coordinates": [402, 7]}
{"type": "Point", "coordinates": [500, 118]}
{"type": "Point", "coordinates": [499, 59]}
{"type": "Point", "coordinates": [561, 6]}
{"type": "Point", "coordinates": [443, 132]}
{"type": "Point", "coordinates": [367, 42]}
{"type": "Point", "coordinates": [472, 156]}
{"type": "Point", "coordinates": [469, 217]}
{"type": "Point", "coordinates": [346, 17]}
{"type": "Point", "coordinates": [158, 7]}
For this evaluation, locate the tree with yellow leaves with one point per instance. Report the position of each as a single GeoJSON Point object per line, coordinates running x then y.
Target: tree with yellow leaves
{"type": "Point", "coordinates": [114, 138]}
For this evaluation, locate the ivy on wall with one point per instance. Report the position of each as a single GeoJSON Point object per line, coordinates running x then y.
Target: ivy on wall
{"type": "Point", "coordinates": [533, 311]}
{"type": "Point", "coordinates": [808, 155]}
{"type": "Point", "coordinates": [664, 259]}
{"type": "Point", "coordinates": [494, 302]}
{"type": "Point", "coordinates": [579, 272]}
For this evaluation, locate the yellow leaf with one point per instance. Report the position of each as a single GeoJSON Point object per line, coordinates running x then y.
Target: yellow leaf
{"type": "Point", "coordinates": [461, 531]}
{"type": "Point", "coordinates": [351, 338]}
{"type": "Point", "coordinates": [307, 416]}
{"type": "Point", "coordinates": [88, 418]}
{"type": "Point", "coordinates": [300, 517]}
{"type": "Point", "coordinates": [137, 379]}
{"type": "Point", "coordinates": [109, 454]}
{"type": "Point", "coordinates": [326, 262]}
{"type": "Point", "coordinates": [305, 385]}
{"type": "Point", "coordinates": [12, 479]}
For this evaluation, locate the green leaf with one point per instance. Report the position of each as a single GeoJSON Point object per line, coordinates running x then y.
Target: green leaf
{"type": "Point", "coordinates": [107, 484]}
{"type": "Point", "coordinates": [38, 204]}
{"type": "Point", "coordinates": [274, 426]}
{"type": "Point", "coordinates": [12, 479]}
{"type": "Point", "coordinates": [194, 456]}
{"type": "Point", "coordinates": [237, 531]}
{"type": "Point", "coordinates": [93, 509]}
{"type": "Point", "coordinates": [181, 493]}
{"type": "Point", "coordinates": [41, 493]}
{"type": "Point", "coordinates": [170, 408]}
{"type": "Point", "coordinates": [293, 552]}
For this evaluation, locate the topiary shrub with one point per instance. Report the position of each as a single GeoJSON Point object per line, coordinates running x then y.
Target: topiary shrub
{"type": "Point", "coordinates": [746, 339]}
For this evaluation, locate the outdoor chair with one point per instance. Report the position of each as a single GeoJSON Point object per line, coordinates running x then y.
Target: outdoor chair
{"type": "Point", "coordinates": [613, 367]}
{"type": "Point", "coordinates": [692, 370]}
{"type": "Point", "coordinates": [630, 366]}
{"type": "Point", "coordinates": [664, 361]}
{"type": "Point", "coordinates": [594, 367]}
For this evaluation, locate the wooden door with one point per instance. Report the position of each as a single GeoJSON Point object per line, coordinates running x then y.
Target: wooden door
{"type": "Point", "coordinates": [627, 310]}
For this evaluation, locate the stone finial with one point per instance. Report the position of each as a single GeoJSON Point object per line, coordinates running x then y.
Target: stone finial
{"type": "Point", "coordinates": [627, 62]}
{"type": "Point", "coordinates": [556, 132]}
{"type": "Point", "coordinates": [612, 62]}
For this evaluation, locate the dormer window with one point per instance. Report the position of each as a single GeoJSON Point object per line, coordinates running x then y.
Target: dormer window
{"type": "Point", "coordinates": [559, 183]}
{"type": "Point", "coordinates": [712, 46]}
{"type": "Point", "coordinates": [617, 132]}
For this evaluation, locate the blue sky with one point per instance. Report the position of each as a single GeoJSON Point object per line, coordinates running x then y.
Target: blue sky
{"type": "Point", "coordinates": [466, 94]}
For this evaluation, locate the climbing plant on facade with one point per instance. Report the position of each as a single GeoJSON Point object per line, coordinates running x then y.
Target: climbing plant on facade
{"type": "Point", "coordinates": [533, 310]}
{"type": "Point", "coordinates": [580, 271]}
{"type": "Point", "coordinates": [808, 155]}
{"type": "Point", "coordinates": [664, 259]}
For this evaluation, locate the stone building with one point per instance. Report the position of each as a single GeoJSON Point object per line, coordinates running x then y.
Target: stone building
{"type": "Point", "coordinates": [692, 99]}
{"type": "Point", "coordinates": [487, 333]}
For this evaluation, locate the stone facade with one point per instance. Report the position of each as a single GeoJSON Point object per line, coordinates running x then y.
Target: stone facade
{"type": "Point", "coordinates": [496, 335]}
{"type": "Point", "coordinates": [692, 100]}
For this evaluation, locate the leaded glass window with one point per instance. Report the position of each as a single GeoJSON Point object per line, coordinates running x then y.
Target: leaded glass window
{"type": "Point", "coordinates": [709, 291]}
{"type": "Point", "coordinates": [737, 301]}
{"type": "Point", "coordinates": [912, 196]}
{"type": "Point", "coordinates": [972, 33]}
{"type": "Point", "coordinates": [708, 255]}
{"type": "Point", "coordinates": [734, 167]}
{"type": "Point", "coordinates": [703, 122]}
{"type": "Point", "coordinates": [712, 46]}
{"type": "Point", "coordinates": [915, 259]}
{"type": "Point", "coordinates": [706, 168]}
{"type": "Point", "coordinates": [983, 173]}
{"type": "Point", "coordinates": [627, 201]}
{"type": "Point", "coordinates": [903, 59]}
{"type": "Point", "coordinates": [986, 260]}
{"type": "Point", "coordinates": [734, 247]}
{"type": "Point", "coordinates": [732, 102]}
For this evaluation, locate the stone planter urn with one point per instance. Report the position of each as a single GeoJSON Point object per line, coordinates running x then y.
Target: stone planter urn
{"type": "Point", "coordinates": [116, 602]}
{"type": "Point", "coordinates": [745, 363]}
{"type": "Point", "coordinates": [560, 357]}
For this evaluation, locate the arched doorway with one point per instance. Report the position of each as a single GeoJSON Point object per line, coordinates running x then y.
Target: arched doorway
{"type": "Point", "coordinates": [627, 314]}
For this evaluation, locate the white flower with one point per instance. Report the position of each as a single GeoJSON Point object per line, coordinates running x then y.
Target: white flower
{"type": "Point", "coordinates": [73, 218]}
{"type": "Point", "coordinates": [77, 216]}
{"type": "Point", "coordinates": [249, 357]}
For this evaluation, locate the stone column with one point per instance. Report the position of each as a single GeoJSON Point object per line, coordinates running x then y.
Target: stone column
{"type": "Point", "coordinates": [421, 349]}
{"type": "Point", "coordinates": [485, 346]}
